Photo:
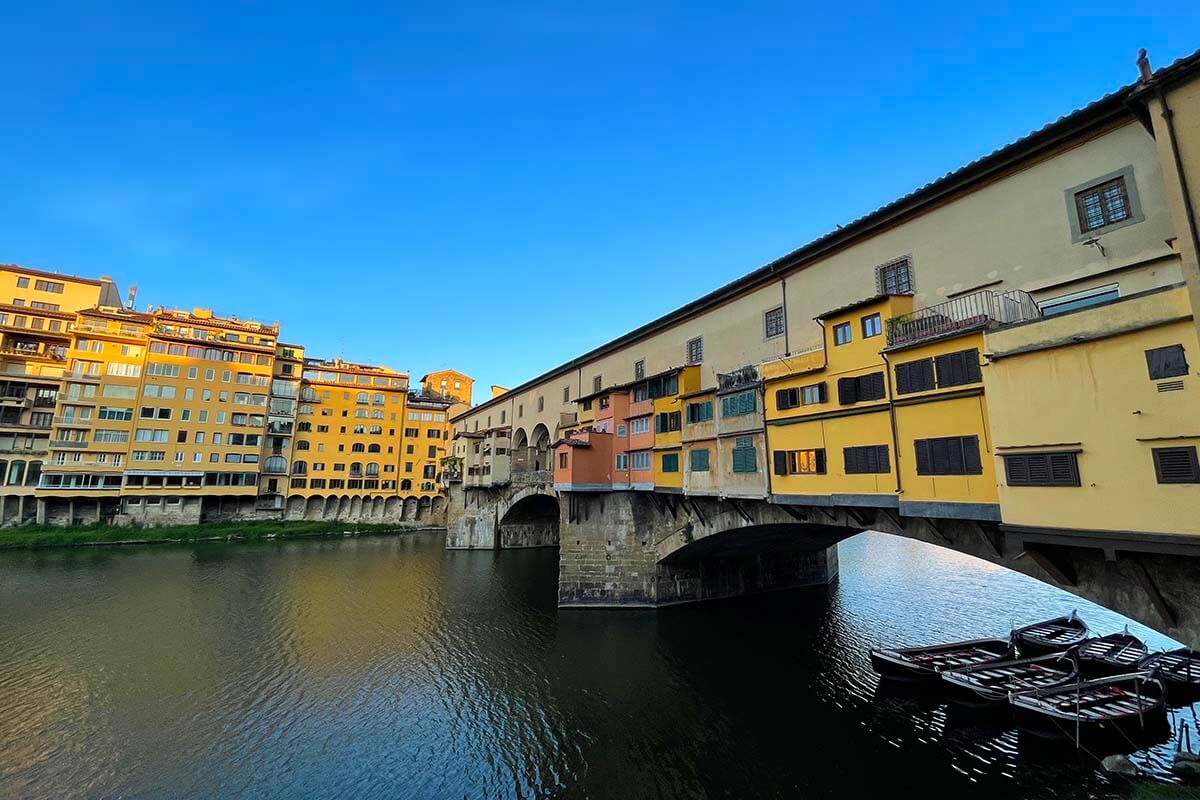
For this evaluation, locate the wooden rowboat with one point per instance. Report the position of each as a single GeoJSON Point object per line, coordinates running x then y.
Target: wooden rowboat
{"type": "Point", "coordinates": [1122, 707]}
{"type": "Point", "coordinates": [1051, 636]}
{"type": "Point", "coordinates": [923, 663]}
{"type": "Point", "coordinates": [1115, 654]}
{"type": "Point", "coordinates": [995, 681]}
{"type": "Point", "coordinates": [1179, 670]}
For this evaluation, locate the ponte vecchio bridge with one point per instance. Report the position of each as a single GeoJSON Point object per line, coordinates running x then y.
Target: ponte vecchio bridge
{"type": "Point", "coordinates": [1003, 363]}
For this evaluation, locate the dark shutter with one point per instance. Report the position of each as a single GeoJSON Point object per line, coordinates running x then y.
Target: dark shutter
{"type": "Point", "coordinates": [915, 376]}
{"type": "Point", "coordinates": [847, 390]}
{"type": "Point", "coordinates": [866, 460]}
{"type": "Point", "coordinates": [956, 369]}
{"type": "Point", "coordinates": [850, 456]}
{"type": "Point", "coordinates": [970, 451]}
{"type": "Point", "coordinates": [823, 392]}
{"type": "Point", "coordinates": [1176, 465]}
{"type": "Point", "coordinates": [782, 401]}
{"type": "Point", "coordinates": [903, 379]}
{"type": "Point", "coordinates": [1042, 469]}
{"type": "Point", "coordinates": [924, 463]}
{"type": "Point", "coordinates": [870, 387]}
{"type": "Point", "coordinates": [1167, 362]}
{"type": "Point", "coordinates": [821, 460]}
{"type": "Point", "coordinates": [781, 462]}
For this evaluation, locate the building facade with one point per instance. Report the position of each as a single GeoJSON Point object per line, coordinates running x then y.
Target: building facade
{"type": "Point", "coordinates": [113, 415]}
{"type": "Point", "coordinates": [1013, 344]}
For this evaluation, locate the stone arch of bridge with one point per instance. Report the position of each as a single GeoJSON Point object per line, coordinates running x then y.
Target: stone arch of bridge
{"type": "Point", "coordinates": [531, 519]}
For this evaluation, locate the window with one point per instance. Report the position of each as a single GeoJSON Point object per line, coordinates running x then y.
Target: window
{"type": "Point", "coordinates": [622, 462]}
{"type": "Point", "coordinates": [666, 422]}
{"type": "Point", "coordinates": [639, 369]}
{"type": "Point", "coordinates": [866, 460]}
{"type": "Point", "coordinates": [799, 462]}
{"type": "Point", "coordinates": [695, 350]}
{"type": "Point", "coordinates": [1102, 205]}
{"type": "Point", "coordinates": [1166, 362]}
{"type": "Point", "coordinates": [861, 388]}
{"type": "Point", "coordinates": [22, 283]}
{"type": "Point", "coordinates": [670, 462]}
{"type": "Point", "coordinates": [1041, 469]}
{"type": "Point", "coordinates": [640, 393]}
{"type": "Point", "coordinates": [699, 460]}
{"type": "Point", "coordinates": [915, 376]}
{"type": "Point", "coordinates": [566, 398]}
{"type": "Point", "coordinates": [735, 405]}
{"type": "Point", "coordinates": [1080, 299]}
{"type": "Point", "coordinates": [620, 429]}
{"type": "Point", "coordinates": [541, 403]}
{"type": "Point", "coordinates": [744, 459]}
{"type": "Point", "coordinates": [956, 369]}
{"type": "Point", "coordinates": [1176, 465]}
{"type": "Point", "coordinates": [894, 277]}
{"type": "Point", "coordinates": [811, 395]}
{"type": "Point", "coordinates": [841, 333]}
{"type": "Point", "coordinates": [48, 286]}
{"type": "Point", "coordinates": [639, 425]}
{"type": "Point", "coordinates": [699, 412]}
{"type": "Point", "coordinates": [872, 326]}
{"type": "Point", "coordinates": [773, 322]}
{"type": "Point", "coordinates": [640, 459]}
{"type": "Point", "coordinates": [949, 455]}
{"type": "Point", "coordinates": [596, 382]}
{"type": "Point", "coordinates": [666, 386]}
{"type": "Point", "coordinates": [562, 460]}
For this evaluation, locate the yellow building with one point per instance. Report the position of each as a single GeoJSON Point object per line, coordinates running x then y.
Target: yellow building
{"type": "Point", "coordinates": [664, 391]}
{"type": "Point", "coordinates": [37, 312]}
{"type": "Point", "coordinates": [449, 383]}
{"type": "Point", "coordinates": [1094, 414]}
{"type": "Point", "coordinates": [349, 430]}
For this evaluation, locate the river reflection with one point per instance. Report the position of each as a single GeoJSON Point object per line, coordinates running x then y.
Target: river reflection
{"type": "Point", "coordinates": [389, 667]}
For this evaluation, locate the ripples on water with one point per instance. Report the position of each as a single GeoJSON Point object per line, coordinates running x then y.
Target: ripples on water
{"type": "Point", "coordinates": [389, 667]}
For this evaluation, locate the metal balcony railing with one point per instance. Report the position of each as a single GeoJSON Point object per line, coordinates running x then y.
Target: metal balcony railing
{"type": "Point", "coordinates": [67, 443]}
{"type": "Point", "coordinates": [76, 421]}
{"type": "Point", "coordinates": [981, 309]}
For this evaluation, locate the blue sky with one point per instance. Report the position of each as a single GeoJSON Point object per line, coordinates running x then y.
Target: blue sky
{"type": "Point", "coordinates": [463, 184]}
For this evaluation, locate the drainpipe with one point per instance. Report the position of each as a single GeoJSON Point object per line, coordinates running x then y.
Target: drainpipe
{"type": "Point", "coordinates": [787, 334]}
{"type": "Point", "coordinates": [887, 365]}
{"type": "Point", "coordinates": [770, 465]}
{"type": "Point", "coordinates": [1189, 212]}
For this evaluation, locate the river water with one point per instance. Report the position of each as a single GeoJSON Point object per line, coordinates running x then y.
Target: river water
{"type": "Point", "coordinates": [388, 667]}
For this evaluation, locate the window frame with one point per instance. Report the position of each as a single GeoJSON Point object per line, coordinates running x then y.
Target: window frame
{"type": "Point", "coordinates": [1068, 458]}
{"type": "Point", "coordinates": [902, 286]}
{"type": "Point", "coordinates": [695, 344]}
{"type": "Point", "coordinates": [878, 319]}
{"type": "Point", "coordinates": [1133, 203]}
{"type": "Point", "coordinates": [838, 329]}
{"type": "Point", "coordinates": [1156, 454]}
{"type": "Point", "coordinates": [770, 318]}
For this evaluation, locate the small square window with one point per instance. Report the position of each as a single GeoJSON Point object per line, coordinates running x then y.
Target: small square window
{"type": "Point", "coordinates": [872, 326]}
{"type": "Point", "coordinates": [1166, 362]}
{"type": "Point", "coordinates": [1176, 465]}
{"type": "Point", "coordinates": [695, 350]}
{"type": "Point", "coordinates": [773, 322]}
{"type": "Point", "coordinates": [894, 277]}
{"type": "Point", "coordinates": [841, 333]}
{"type": "Point", "coordinates": [1106, 204]}
{"type": "Point", "coordinates": [639, 369]}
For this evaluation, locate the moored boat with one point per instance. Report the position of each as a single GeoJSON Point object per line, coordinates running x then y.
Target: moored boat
{"type": "Point", "coordinates": [923, 663]}
{"type": "Point", "coordinates": [1179, 670]}
{"type": "Point", "coordinates": [1115, 654]}
{"type": "Point", "coordinates": [1050, 636]}
{"type": "Point", "coordinates": [1127, 707]}
{"type": "Point", "coordinates": [995, 681]}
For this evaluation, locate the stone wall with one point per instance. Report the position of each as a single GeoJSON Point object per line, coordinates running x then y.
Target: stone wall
{"type": "Point", "coordinates": [607, 550]}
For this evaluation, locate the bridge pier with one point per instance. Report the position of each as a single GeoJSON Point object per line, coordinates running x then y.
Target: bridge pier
{"type": "Point", "coordinates": [642, 549]}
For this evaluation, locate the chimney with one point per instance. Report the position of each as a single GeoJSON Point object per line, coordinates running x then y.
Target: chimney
{"type": "Point", "coordinates": [1143, 64]}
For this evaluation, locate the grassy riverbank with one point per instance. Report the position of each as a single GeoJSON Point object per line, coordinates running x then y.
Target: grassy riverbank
{"type": "Point", "coordinates": [50, 536]}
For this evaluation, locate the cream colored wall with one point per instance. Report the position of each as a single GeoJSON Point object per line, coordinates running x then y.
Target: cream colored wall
{"type": "Point", "coordinates": [1015, 230]}
{"type": "Point", "coordinates": [1098, 396]}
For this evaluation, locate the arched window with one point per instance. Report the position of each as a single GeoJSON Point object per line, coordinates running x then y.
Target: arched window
{"type": "Point", "coordinates": [16, 473]}
{"type": "Point", "coordinates": [372, 448]}
{"type": "Point", "coordinates": [35, 472]}
{"type": "Point", "coordinates": [361, 398]}
{"type": "Point", "coordinates": [302, 445]}
{"type": "Point", "coordinates": [358, 447]}
{"type": "Point", "coordinates": [378, 399]}
{"type": "Point", "coordinates": [356, 469]}
{"type": "Point", "coordinates": [406, 485]}
{"type": "Point", "coordinates": [276, 465]}
{"type": "Point", "coordinates": [359, 429]}
{"type": "Point", "coordinates": [375, 430]}
{"type": "Point", "coordinates": [372, 470]}
{"type": "Point", "coordinates": [300, 468]}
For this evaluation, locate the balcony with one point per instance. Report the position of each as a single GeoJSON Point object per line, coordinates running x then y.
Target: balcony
{"type": "Point", "coordinates": [73, 421]}
{"type": "Point", "coordinates": [281, 428]}
{"type": "Point", "coordinates": [59, 444]}
{"type": "Point", "coordinates": [77, 375]}
{"type": "Point", "coordinates": [976, 311]}
{"type": "Point", "coordinates": [15, 401]}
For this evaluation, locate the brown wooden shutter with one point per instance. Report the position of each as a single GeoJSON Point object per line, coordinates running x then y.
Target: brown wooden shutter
{"type": "Point", "coordinates": [780, 458]}
{"type": "Point", "coordinates": [847, 390]}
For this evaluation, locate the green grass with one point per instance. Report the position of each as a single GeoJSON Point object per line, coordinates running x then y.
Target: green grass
{"type": "Point", "coordinates": [52, 536]}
